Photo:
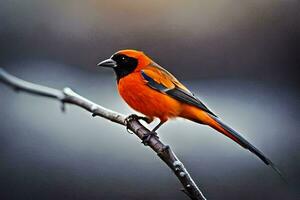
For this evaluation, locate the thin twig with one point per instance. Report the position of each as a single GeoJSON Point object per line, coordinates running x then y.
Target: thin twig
{"type": "Point", "coordinates": [132, 123]}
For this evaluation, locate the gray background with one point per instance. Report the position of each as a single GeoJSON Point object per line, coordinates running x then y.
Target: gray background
{"type": "Point", "coordinates": [240, 58]}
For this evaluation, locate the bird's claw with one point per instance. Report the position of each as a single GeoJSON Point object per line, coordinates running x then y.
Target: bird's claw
{"type": "Point", "coordinates": [146, 138]}
{"type": "Point", "coordinates": [131, 117]}
{"type": "Point", "coordinates": [148, 120]}
{"type": "Point", "coordinates": [128, 130]}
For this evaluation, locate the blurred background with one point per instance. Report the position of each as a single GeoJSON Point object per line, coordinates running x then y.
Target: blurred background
{"type": "Point", "coordinates": [240, 57]}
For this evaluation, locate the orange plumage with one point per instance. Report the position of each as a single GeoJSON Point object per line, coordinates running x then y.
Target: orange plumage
{"type": "Point", "coordinates": [146, 100]}
{"type": "Point", "coordinates": [138, 95]}
{"type": "Point", "coordinates": [153, 91]}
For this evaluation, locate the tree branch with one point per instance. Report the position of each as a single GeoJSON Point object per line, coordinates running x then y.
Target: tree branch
{"type": "Point", "coordinates": [132, 123]}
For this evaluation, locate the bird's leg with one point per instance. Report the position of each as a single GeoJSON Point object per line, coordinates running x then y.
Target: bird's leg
{"type": "Point", "coordinates": [136, 117]}
{"type": "Point", "coordinates": [147, 136]}
{"type": "Point", "coordinates": [158, 125]}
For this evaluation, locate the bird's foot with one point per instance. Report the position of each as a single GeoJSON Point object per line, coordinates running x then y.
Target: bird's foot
{"type": "Point", "coordinates": [128, 119]}
{"type": "Point", "coordinates": [136, 117]}
{"type": "Point", "coordinates": [146, 138]}
{"type": "Point", "coordinates": [148, 120]}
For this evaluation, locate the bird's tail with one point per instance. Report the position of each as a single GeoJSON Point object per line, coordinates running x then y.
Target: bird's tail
{"type": "Point", "coordinates": [217, 124]}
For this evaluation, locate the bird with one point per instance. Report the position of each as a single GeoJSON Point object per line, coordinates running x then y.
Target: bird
{"type": "Point", "coordinates": [153, 91]}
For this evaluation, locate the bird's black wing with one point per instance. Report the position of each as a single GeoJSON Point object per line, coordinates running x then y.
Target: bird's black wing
{"type": "Point", "coordinates": [176, 93]}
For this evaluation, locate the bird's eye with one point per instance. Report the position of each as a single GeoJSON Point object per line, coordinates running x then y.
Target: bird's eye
{"type": "Point", "coordinates": [124, 59]}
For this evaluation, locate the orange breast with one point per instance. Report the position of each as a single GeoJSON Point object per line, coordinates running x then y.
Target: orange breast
{"type": "Point", "coordinates": [139, 96]}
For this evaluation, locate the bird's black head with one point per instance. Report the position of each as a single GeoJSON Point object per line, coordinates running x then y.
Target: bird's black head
{"type": "Point", "coordinates": [121, 63]}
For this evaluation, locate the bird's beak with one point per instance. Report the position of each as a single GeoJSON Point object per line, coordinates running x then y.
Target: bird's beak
{"type": "Point", "coordinates": [108, 63]}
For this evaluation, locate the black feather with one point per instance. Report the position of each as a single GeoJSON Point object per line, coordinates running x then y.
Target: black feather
{"type": "Point", "coordinates": [183, 96]}
{"type": "Point", "coordinates": [177, 93]}
{"type": "Point", "coordinates": [244, 143]}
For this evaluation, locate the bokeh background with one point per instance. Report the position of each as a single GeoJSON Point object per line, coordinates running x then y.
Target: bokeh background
{"type": "Point", "coordinates": [240, 57]}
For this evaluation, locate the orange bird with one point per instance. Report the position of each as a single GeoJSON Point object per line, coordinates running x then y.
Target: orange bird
{"type": "Point", "coordinates": [153, 91]}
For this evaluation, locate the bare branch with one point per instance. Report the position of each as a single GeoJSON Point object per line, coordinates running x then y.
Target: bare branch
{"type": "Point", "coordinates": [132, 123]}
